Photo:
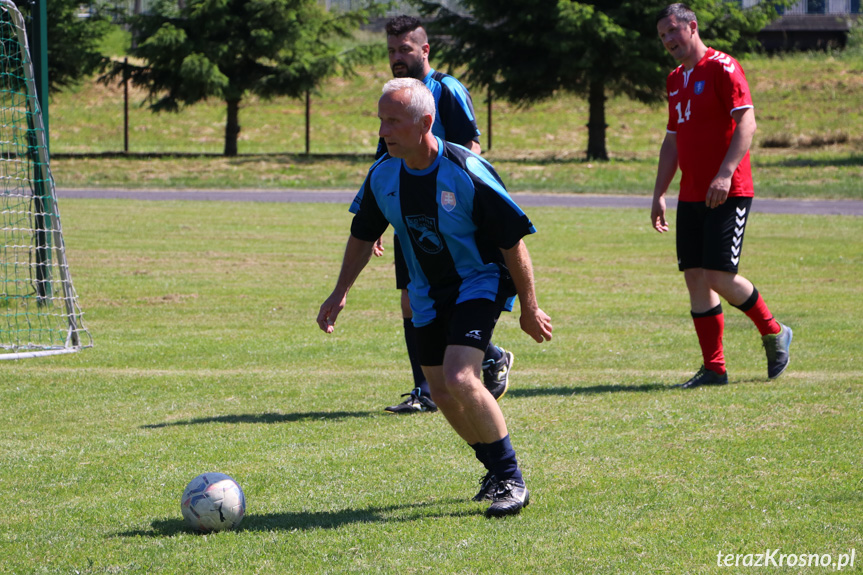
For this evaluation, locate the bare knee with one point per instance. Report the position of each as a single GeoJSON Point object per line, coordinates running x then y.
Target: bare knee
{"type": "Point", "coordinates": [442, 397]}
{"type": "Point", "coordinates": [461, 380]}
{"type": "Point", "coordinates": [733, 287]}
{"type": "Point", "coordinates": [717, 279]}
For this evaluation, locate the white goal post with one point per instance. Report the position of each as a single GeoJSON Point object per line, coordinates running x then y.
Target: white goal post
{"type": "Point", "coordinates": [39, 312]}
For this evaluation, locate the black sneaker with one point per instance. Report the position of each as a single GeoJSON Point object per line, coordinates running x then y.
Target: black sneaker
{"type": "Point", "coordinates": [495, 374]}
{"type": "Point", "coordinates": [488, 483]}
{"type": "Point", "coordinates": [777, 347]}
{"type": "Point", "coordinates": [416, 402]}
{"type": "Point", "coordinates": [705, 377]}
{"type": "Point", "coordinates": [509, 497]}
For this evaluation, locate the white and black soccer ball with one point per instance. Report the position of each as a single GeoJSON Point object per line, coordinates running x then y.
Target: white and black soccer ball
{"type": "Point", "coordinates": [213, 502]}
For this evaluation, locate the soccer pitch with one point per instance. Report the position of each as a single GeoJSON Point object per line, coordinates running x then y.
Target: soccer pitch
{"type": "Point", "coordinates": [208, 358]}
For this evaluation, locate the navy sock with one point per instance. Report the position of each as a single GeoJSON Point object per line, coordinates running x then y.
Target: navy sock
{"type": "Point", "coordinates": [413, 356]}
{"type": "Point", "coordinates": [502, 460]}
{"type": "Point", "coordinates": [492, 352]}
{"type": "Point", "coordinates": [481, 451]}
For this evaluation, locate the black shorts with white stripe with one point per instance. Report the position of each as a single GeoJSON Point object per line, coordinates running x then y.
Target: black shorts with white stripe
{"type": "Point", "coordinates": [711, 238]}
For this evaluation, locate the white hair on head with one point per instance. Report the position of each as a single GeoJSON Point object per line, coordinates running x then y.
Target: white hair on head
{"type": "Point", "coordinates": [421, 98]}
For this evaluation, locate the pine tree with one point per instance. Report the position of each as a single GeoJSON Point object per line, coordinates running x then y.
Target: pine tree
{"type": "Point", "coordinates": [527, 50]}
{"type": "Point", "coordinates": [73, 41]}
{"type": "Point", "coordinates": [231, 48]}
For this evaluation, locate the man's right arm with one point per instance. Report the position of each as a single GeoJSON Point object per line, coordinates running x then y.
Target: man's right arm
{"type": "Point", "coordinates": [357, 255]}
{"type": "Point", "coordinates": [664, 175]}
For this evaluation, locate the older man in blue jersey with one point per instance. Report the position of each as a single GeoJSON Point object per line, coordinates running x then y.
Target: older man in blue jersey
{"type": "Point", "coordinates": [462, 241]}
{"type": "Point", "coordinates": [455, 121]}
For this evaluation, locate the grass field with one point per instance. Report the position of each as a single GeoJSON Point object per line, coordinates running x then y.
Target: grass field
{"type": "Point", "coordinates": [808, 145]}
{"type": "Point", "coordinates": [207, 358]}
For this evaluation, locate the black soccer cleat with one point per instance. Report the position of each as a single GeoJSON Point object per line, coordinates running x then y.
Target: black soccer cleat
{"type": "Point", "coordinates": [416, 402]}
{"type": "Point", "coordinates": [704, 376]}
{"type": "Point", "coordinates": [777, 346]}
{"type": "Point", "coordinates": [495, 374]}
{"type": "Point", "coordinates": [488, 484]}
{"type": "Point", "coordinates": [509, 497]}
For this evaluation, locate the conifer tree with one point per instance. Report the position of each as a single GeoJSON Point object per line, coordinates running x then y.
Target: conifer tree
{"type": "Point", "coordinates": [73, 41]}
{"type": "Point", "coordinates": [229, 49]}
{"type": "Point", "coordinates": [527, 50]}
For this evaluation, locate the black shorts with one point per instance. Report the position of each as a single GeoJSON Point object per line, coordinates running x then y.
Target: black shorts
{"type": "Point", "coordinates": [711, 238]}
{"type": "Point", "coordinates": [403, 278]}
{"type": "Point", "coordinates": [470, 323]}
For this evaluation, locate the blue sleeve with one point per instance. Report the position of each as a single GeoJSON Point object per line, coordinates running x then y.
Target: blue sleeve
{"type": "Point", "coordinates": [358, 199]}
{"type": "Point", "coordinates": [457, 116]}
{"type": "Point", "coordinates": [369, 222]}
{"type": "Point", "coordinates": [496, 215]}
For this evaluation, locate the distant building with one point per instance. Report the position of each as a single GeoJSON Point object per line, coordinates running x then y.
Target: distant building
{"type": "Point", "coordinates": [810, 25]}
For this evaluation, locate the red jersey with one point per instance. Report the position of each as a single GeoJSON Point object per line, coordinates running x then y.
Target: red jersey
{"type": "Point", "coordinates": [700, 103]}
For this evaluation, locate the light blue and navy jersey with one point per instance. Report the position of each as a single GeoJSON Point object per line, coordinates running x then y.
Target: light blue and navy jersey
{"type": "Point", "coordinates": [455, 120]}
{"type": "Point", "coordinates": [453, 218]}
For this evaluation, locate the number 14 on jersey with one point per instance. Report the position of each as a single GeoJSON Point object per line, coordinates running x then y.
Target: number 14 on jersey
{"type": "Point", "coordinates": [683, 115]}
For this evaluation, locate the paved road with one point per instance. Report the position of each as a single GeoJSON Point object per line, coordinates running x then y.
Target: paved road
{"type": "Point", "coordinates": [815, 207]}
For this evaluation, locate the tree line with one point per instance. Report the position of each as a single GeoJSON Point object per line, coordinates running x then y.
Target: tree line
{"type": "Point", "coordinates": [523, 51]}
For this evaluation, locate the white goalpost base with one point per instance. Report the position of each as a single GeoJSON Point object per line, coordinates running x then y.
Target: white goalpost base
{"type": "Point", "coordinates": [39, 312]}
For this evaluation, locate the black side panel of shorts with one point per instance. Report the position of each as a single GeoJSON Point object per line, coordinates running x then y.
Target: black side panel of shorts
{"type": "Point", "coordinates": [711, 238]}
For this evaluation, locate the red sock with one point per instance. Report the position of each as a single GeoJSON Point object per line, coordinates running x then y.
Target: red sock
{"type": "Point", "coordinates": [709, 327]}
{"type": "Point", "coordinates": [756, 310]}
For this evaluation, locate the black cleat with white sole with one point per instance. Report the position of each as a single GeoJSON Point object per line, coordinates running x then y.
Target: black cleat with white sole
{"type": "Point", "coordinates": [509, 498]}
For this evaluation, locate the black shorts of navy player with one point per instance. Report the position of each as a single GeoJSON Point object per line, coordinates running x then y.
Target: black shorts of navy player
{"type": "Point", "coordinates": [447, 205]}
{"type": "Point", "coordinates": [455, 121]}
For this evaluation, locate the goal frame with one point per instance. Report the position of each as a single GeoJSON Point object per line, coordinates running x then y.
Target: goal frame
{"type": "Point", "coordinates": [47, 229]}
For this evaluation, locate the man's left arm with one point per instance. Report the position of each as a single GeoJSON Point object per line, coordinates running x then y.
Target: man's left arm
{"type": "Point", "coordinates": [535, 322]}
{"type": "Point", "coordinates": [741, 140]}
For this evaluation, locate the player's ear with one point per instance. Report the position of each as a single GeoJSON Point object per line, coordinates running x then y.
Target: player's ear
{"type": "Point", "coordinates": [426, 122]}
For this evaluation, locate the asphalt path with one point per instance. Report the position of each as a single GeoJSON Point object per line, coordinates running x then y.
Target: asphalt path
{"type": "Point", "coordinates": [773, 206]}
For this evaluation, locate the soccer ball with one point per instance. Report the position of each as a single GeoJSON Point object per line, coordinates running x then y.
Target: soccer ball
{"type": "Point", "coordinates": [213, 502]}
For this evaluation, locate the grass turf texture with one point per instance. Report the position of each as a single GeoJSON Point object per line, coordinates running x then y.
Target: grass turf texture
{"type": "Point", "coordinates": [208, 359]}
{"type": "Point", "coordinates": [806, 146]}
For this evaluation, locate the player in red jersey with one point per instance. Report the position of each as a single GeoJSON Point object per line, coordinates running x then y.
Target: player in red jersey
{"type": "Point", "coordinates": [711, 121]}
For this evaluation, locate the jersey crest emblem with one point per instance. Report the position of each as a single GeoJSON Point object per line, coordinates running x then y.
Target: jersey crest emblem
{"type": "Point", "coordinates": [699, 87]}
{"type": "Point", "coordinates": [424, 233]}
{"type": "Point", "coordinates": [447, 200]}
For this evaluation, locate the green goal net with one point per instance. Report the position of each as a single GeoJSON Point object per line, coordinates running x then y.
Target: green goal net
{"type": "Point", "coordinates": [39, 312]}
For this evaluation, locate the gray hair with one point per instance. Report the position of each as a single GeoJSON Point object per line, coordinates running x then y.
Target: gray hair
{"type": "Point", "coordinates": [681, 12]}
{"type": "Point", "coordinates": [421, 99]}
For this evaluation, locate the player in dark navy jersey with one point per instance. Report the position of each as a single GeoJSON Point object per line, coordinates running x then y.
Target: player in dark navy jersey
{"type": "Point", "coordinates": [462, 241]}
{"type": "Point", "coordinates": [455, 121]}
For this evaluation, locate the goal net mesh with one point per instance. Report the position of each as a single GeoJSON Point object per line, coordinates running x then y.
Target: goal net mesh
{"type": "Point", "coordinates": [39, 312]}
